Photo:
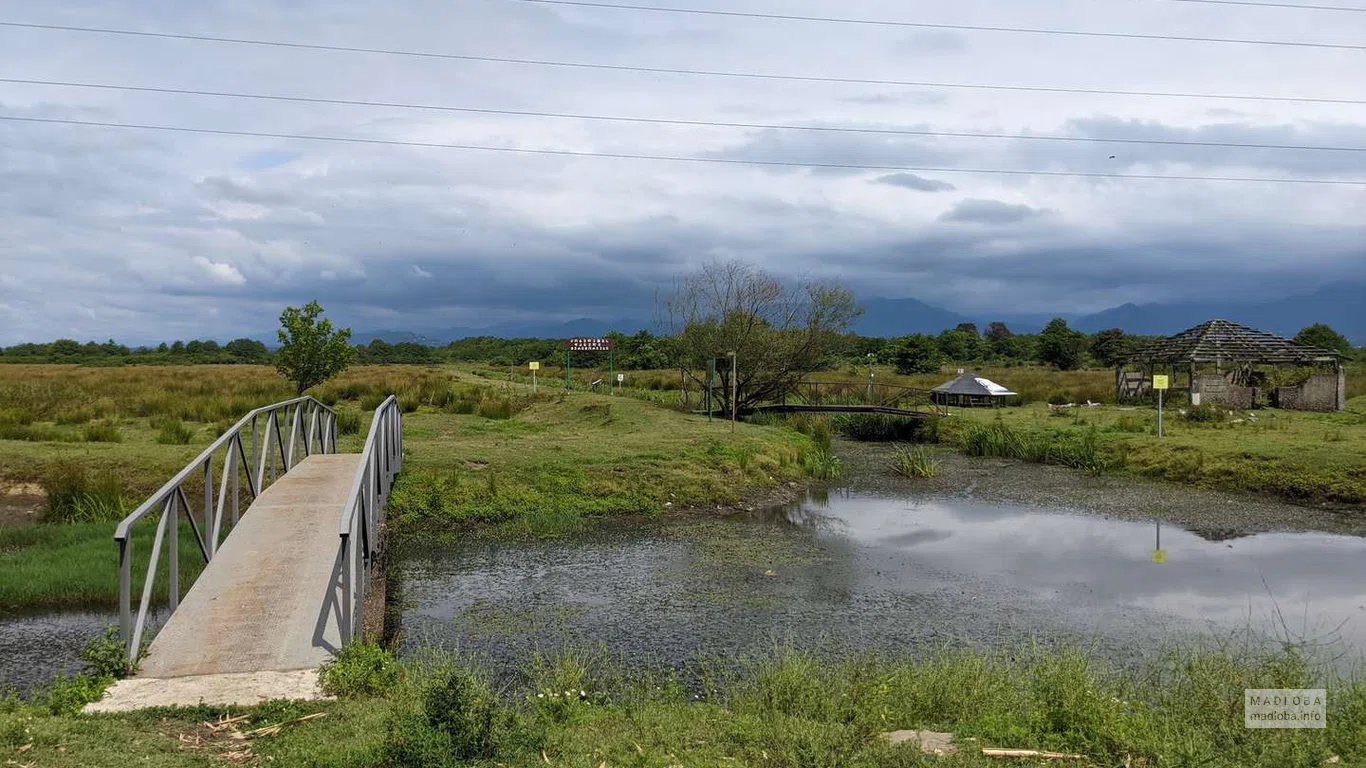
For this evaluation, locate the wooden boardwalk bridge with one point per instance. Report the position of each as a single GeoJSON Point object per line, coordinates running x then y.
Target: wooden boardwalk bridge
{"type": "Point", "coordinates": [288, 530]}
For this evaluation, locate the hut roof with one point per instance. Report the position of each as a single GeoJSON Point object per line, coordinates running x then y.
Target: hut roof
{"type": "Point", "coordinates": [971, 384]}
{"type": "Point", "coordinates": [1224, 341]}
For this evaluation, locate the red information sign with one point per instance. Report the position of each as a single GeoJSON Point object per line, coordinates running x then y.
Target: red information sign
{"type": "Point", "coordinates": [588, 345]}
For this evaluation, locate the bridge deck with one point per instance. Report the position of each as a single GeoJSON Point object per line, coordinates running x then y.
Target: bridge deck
{"type": "Point", "coordinates": [266, 603]}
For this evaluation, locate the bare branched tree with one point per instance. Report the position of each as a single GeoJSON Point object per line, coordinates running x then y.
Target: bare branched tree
{"type": "Point", "coordinates": [779, 332]}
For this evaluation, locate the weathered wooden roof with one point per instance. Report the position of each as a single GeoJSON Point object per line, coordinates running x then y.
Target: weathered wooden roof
{"type": "Point", "coordinates": [1225, 341]}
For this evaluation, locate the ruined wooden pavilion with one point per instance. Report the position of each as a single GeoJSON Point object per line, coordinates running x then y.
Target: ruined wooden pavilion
{"type": "Point", "coordinates": [1222, 361]}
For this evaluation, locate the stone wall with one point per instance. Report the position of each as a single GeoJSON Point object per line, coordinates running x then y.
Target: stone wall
{"type": "Point", "coordinates": [1320, 392]}
{"type": "Point", "coordinates": [1214, 388]}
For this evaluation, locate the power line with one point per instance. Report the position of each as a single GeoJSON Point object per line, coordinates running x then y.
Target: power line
{"type": "Point", "coordinates": [1295, 6]}
{"type": "Point", "coordinates": [674, 71]}
{"type": "Point", "coordinates": [669, 121]}
{"type": "Point", "coordinates": [677, 158]}
{"type": "Point", "coordinates": [953, 27]}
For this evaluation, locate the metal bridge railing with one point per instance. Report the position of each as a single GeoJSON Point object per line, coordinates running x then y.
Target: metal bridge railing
{"type": "Point", "coordinates": [830, 393]}
{"type": "Point", "coordinates": [261, 446]}
{"type": "Point", "coordinates": [381, 459]}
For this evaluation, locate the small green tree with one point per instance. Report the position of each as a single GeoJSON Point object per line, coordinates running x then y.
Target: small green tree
{"type": "Point", "coordinates": [1110, 347]}
{"type": "Point", "coordinates": [1324, 337]}
{"type": "Point", "coordinates": [1061, 346]}
{"type": "Point", "coordinates": [310, 351]}
{"type": "Point", "coordinates": [916, 353]}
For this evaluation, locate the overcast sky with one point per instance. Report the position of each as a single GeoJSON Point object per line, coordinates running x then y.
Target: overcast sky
{"type": "Point", "coordinates": [139, 234]}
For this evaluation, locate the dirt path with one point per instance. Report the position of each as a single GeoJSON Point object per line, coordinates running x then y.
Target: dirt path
{"type": "Point", "coordinates": [19, 505]}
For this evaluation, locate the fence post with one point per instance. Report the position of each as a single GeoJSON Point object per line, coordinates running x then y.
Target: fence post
{"type": "Point", "coordinates": [173, 530]}
{"type": "Point", "coordinates": [209, 546]}
{"type": "Point", "coordinates": [126, 596]}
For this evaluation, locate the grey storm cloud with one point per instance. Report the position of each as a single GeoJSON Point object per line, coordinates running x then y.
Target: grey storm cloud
{"type": "Point", "coordinates": [912, 181]}
{"type": "Point", "coordinates": [161, 234]}
{"type": "Point", "coordinates": [989, 212]}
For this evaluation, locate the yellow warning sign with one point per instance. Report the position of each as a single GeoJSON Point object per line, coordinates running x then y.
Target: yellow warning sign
{"type": "Point", "coordinates": [1160, 382]}
{"type": "Point", "coordinates": [535, 366]}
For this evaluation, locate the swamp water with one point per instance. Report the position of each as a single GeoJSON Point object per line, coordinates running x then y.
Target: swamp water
{"type": "Point", "coordinates": [850, 572]}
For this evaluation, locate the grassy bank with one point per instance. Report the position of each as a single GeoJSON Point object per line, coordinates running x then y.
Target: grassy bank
{"type": "Point", "coordinates": [782, 709]}
{"type": "Point", "coordinates": [1296, 456]}
{"type": "Point", "coordinates": [560, 459]}
{"type": "Point", "coordinates": [1307, 457]}
{"type": "Point", "coordinates": [53, 567]}
{"type": "Point", "coordinates": [478, 454]}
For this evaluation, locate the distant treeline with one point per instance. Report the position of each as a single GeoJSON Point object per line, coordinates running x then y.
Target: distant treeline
{"type": "Point", "coordinates": [1056, 345]}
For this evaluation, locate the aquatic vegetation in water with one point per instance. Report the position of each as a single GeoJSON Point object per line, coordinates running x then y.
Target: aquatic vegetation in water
{"type": "Point", "coordinates": [914, 461]}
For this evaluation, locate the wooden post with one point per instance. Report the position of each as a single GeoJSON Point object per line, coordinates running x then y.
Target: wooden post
{"type": "Point", "coordinates": [734, 390]}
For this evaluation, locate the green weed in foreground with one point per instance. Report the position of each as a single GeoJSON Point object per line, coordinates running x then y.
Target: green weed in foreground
{"type": "Point", "coordinates": [361, 669]}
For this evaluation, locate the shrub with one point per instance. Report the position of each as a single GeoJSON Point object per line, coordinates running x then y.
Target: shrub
{"type": "Point", "coordinates": [106, 656]}
{"type": "Point", "coordinates": [914, 461]}
{"type": "Point", "coordinates": [462, 403]}
{"type": "Point", "coordinates": [361, 669]}
{"type": "Point", "coordinates": [69, 695]}
{"type": "Point", "coordinates": [73, 497]}
{"type": "Point", "coordinates": [408, 402]}
{"type": "Point", "coordinates": [455, 719]}
{"type": "Point", "coordinates": [372, 401]}
{"type": "Point", "coordinates": [348, 422]}
{"type": "Point", "coordinates": [102, 432]}
{"type": "Point", "coordinates": [16, 416]}
{"type": "Point", "coordinates": [173, 432]}
{"type": "Point", "coordinates": [75, 415]}
{"type": "Point", "coordinates": [1205, 413]}
{"type": "Point", "coordinates": [34, 433]}
{"type": "Point", "coordinates": [1132, 424]}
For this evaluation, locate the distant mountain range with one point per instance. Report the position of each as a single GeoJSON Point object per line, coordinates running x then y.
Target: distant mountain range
{"type": "Point", "coordinates": [1342, 306]}
{"type": "Point", "coordinates": [584, 326]}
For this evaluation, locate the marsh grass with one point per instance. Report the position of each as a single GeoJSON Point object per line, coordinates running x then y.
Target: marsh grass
{"type": "Point", "coordinates": [886, 428]}
{"type": "Point", "coordinates": [74, 496]}
{"type": "Point", "coordinates": [102, 432]}
{"type": "Point", "coordinates": [1078, 449]}
{"type": "Point", "coordinates": [914, 461]}
{"type": "Point", "coordinates": [172, 431]}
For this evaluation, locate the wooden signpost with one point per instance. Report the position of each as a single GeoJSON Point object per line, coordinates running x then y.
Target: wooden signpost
{"type": "Point", "coordinates": [1160, 383]}
{"type": "Point", "coordinates": [586, 345]}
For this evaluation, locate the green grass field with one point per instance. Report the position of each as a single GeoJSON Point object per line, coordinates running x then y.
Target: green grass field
{"type": "Point", "coordinates": [566, 458]}
{"type": "Point", "coordinates": [778, 710]}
